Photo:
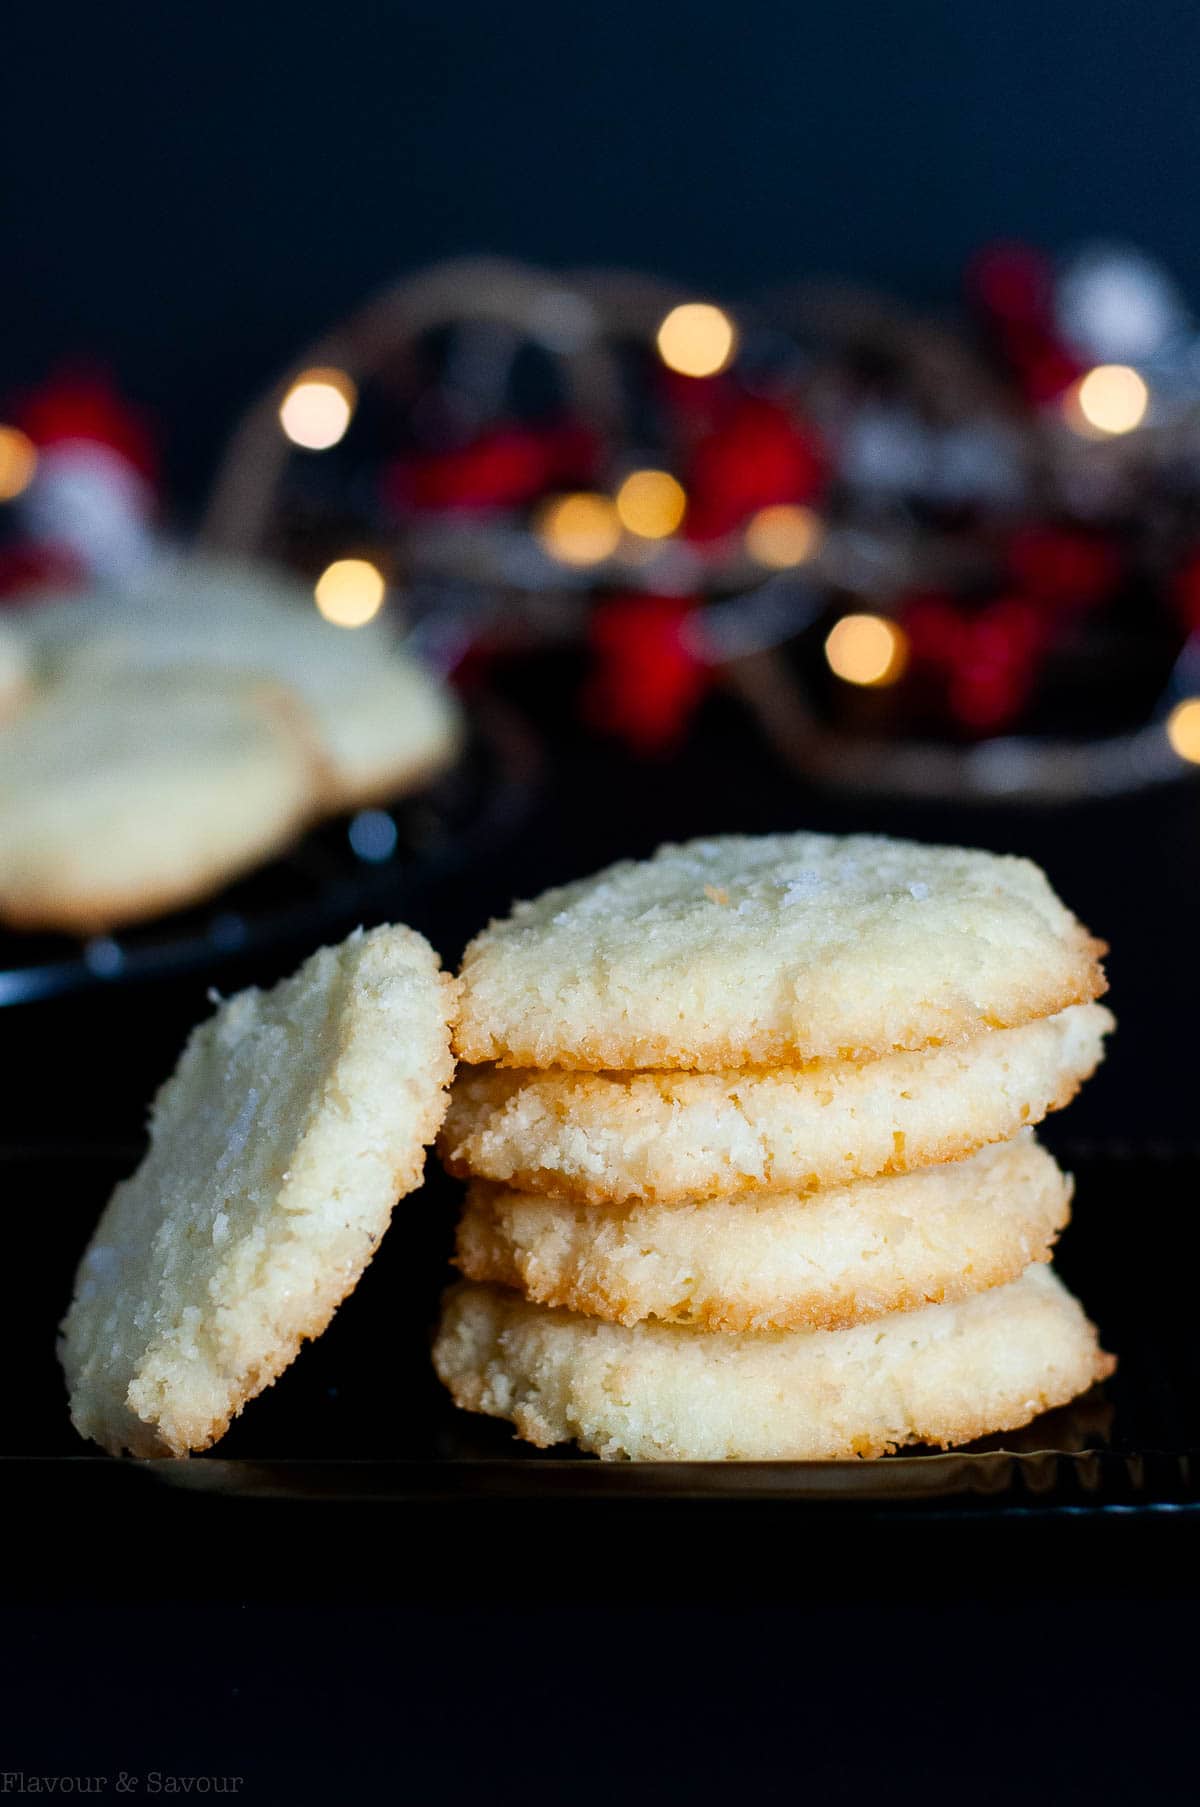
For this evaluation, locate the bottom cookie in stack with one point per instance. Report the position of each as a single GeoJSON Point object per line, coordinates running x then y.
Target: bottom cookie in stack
{"type": "Point", "coordinates": [907, 1309]}
{"type": "Point", "coordinates": [659, 1392]}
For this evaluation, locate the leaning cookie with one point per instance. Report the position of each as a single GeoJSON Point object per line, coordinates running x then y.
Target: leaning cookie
{"type": "Point", "coordinates": [605, 1137]}
{"type": "Point", "coordinates": [127, 795]}
{"type": "Point", "coordinates": [295, 1120]}
{"type": "Point", "coordinates": [772, 1261]}
{"type": "Point", "coordinates": [771, 951]}
{"type": "Point", "coordinates": [942, 1375]}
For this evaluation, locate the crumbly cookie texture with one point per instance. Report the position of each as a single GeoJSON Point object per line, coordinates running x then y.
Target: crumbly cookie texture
{"type": "Point", "coordinates": [942, 1375]}
{"type": "Point", "coordinates": [121, 798]}
{"type": "Point", "coordinates": [383, 722]}
{"type": "Point", "coordinates": [776, 1262]}
{"type": "Point", "coordinates": [772, 950]}
{"type": "Point", "coordinates": [294, 1121]}
{"type": "Point", "coordinates": [606, 1137]}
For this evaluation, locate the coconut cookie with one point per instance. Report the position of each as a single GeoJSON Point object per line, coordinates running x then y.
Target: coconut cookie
{"type": "Point", "coordinates": [121, 798]}
{"type": "Point", "coordinates": [772, 1261]}
{"type": "Point", "coordinates": [653, 1392]}
{"type": "Point", "coordinates": [772, 951]}
{"type": "Point", "coordinates": [295, 1120]}
{"type": "Point", "coordinates": [385, 731]}
{"type": "Point", "coordinates": [385, 724]}
{"type": "Point", "coordinates": [604, 1137]}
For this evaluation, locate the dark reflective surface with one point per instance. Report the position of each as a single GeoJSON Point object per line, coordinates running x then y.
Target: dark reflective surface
{"type": "Point", "coordinates": [361, 1417]}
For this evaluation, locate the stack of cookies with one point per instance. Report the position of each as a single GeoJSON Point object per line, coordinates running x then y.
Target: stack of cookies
{"type": "Point", "coordinates": [752, 1174]}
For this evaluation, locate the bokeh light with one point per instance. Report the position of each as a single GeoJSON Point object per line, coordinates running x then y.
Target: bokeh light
{"type": "Point", "coordinates": [350, 592]}
{"type": "Point", "coordinates": [697, 339]}
{"type": "Point", "coordinates": [651, 504]}
{"type": "Point", "coordinates": [866, 649]}
{"type": "Point", "coordinates": [18, 461]}
{"type": "Point", "coordinates": [373, 835]}
{"type": "Point", "coordinates": [783, 535]}
{"type": "Point", "coordinates": [318, 408]}
{"type": "Point", "coordinates": [1109, 400]}
{"type": "Point", "coordinates": [579, 529]}
{"type": "Point", "coordinates": [1183, 729]}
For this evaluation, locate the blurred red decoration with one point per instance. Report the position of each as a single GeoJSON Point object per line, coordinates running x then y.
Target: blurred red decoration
{"type": "Point", "coordinates": [1064, 567]}
{"type": "Point", "coordinates": [505, 467]}
{"type": "Point", "coordinates": [1013, 286]}
{"type": "Point", "coordinates": [27, 567]}
{"type": "Point", "coordinates": [89, 509]}
{"type": "Point", "coordinates": [647, 680]}
{"type": "Point", "coordinates": [985, 661]}
{"type": "Point", "coordinates": [1012, 282]}
{"type": "Point", "coordinates": [83, 407]}
{"type": "Point", "coordinates": [758, 454]}
{"type": "Point", "coordinates": [1186, 591]}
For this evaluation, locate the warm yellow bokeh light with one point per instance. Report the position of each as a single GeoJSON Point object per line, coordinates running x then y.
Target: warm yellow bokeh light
{"type": "Point", "coordinates": [783, 535]}
{"type": "Point", "coordinates": [18, 461]}
{"type": "Point", "coordinates": [1109, 400]}
{"type": "Point", "coordinates": [866, 649]}
{"type": "Point", "coordinates": [697, 339]}
{"type": "Point", "coordinates": [350, 592]}
{"type": "Point", "coordinates": [317, 409]}
{"type": "Point", "coordinates": [651, 504]}
{"type": "Point", "coordinates": [579, 529]}
{"type": "Point", "coordinates": [1183, 729]}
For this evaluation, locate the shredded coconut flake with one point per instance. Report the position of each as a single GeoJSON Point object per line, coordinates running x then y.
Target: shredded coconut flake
{"type": "Point", "coordinates": [801, 888]}
{"type": "Point", "coordinates": [239, 1133]}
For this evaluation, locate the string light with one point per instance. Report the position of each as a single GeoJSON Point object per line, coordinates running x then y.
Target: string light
{"type": "Point", "coordinates": [651, 504]}
{"type": "Point", "coordinates": [1183, 729]}
{"type": "Point", "coordinates": [18, 461]}
{"type": "Point", "coordinates": [866, 649]}
{"type": "Point", "coordinates": [697, 339]}
{"type": "Point", "coordinates": [783, 535]}
{"type": "Point", "coordinates": [318, 408]}
{"type": "Point", "coordinates": [579, 529]}
{"type": "Point", "coordinates": [350, 592]}
{"type": "Point", "coordinates": [1109, 400]}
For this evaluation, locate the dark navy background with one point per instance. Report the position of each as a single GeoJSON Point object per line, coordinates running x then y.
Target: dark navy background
{"type": "Point", "coordinates": [194, 191]}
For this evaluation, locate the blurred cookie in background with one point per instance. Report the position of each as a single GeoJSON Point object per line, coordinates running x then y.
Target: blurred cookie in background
{"type": "Point", "coordinates": [120, 798]}
{"type": "Point", "coordinates": [384, 720]}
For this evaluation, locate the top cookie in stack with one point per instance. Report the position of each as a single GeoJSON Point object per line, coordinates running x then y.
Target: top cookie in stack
{"type": "Point", "coordinates": [721, 1092]}
{"type": "Point", "coordinates": [759, 951]}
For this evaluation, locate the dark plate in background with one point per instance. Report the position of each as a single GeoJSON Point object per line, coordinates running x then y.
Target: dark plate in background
{"type": "Point", "coordinates": [360, 1417]}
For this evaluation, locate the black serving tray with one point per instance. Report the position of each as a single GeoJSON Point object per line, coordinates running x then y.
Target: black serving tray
{"type": "Point", "coordinates": [361, 1418]}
